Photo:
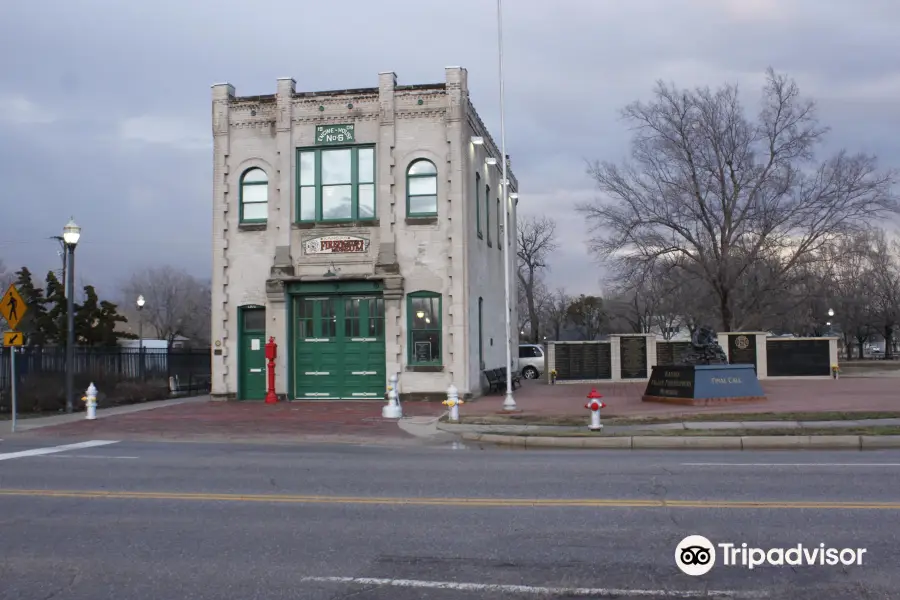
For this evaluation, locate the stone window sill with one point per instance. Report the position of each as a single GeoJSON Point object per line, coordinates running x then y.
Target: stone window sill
{"type": "Point", "coordinates": [424, 368]}
{"type": "Point", "coordinates": [252, 226]}
{"type": "Point", "coordinates": [341, 225]}
{"type": "Point", "coordinates": [421, 220]}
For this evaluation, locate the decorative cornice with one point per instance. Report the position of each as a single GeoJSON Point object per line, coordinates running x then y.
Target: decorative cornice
{"type": "Point", "coordinates": [438, 113]}
{"type": "Point", "coordinates": [254, 124]}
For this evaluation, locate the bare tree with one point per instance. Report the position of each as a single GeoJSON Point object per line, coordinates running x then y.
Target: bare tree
{"type": "Point", "coordinates": [177, 303]}
{"type": "Point", "coordinates": [885, 288]}
{"type": "Point", "coordinates": [535, 241]}
{"type": "Point", "coordinates": [717, 195]}
{"type": "Point", "coordinates": [588, 313]}
{"type": "Point", "coordinates": [555, 312]}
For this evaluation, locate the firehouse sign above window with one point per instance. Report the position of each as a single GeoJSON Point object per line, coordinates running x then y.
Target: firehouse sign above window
{"type": "Point", "coordinates": [335, 244]}
{"type": "Point", "coordinates": [335, 134]}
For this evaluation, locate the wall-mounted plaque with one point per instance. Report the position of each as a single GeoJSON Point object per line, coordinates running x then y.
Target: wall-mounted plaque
{"type": "Point", "coordinates": [798, 358]}
{"type": "Point", "coordinates": [742, 349]}
{"type": "Point", "coordinates": [335, 134]}
{"type": "Point", "coordinates": [633, 357]}
{"type": "Point", "coordinates": [583, 361]}
{"type": "Point", "coordinates": [335, 244]}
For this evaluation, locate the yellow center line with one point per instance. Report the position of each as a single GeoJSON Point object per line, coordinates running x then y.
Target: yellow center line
{"type": "Point", "coordinates": [458, 502]}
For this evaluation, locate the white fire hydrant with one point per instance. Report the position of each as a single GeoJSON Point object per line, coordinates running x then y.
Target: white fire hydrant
{"type": "Point", "coordinates": [90, 398]}
{"type": "Point", "coordinates": [392, 409]}
{"type": "Point", "coordinates": [453, 402]}
{"type": "Point", "coordinates": [594, 405]}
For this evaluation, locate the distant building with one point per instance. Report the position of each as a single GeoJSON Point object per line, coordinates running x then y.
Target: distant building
{"type": "Point", "coordinates": [361, 229]}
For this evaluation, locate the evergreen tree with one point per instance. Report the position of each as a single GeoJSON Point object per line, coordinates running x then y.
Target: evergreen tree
{"type": "Point", "coordinates": [86, 316]}
{"type": "Point", "coordinates": [95, 321]}
{"type": "Point", "coordinates": [106, 326]}
{"type": "Point", "coordinates": [36, 330]}
{"type": "Point", "coordinates": [55, 303]}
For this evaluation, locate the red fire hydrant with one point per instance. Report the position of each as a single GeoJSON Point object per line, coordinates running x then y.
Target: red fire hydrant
{"type": "Point", "coordinates": [594, 405]}
{"type": "Point", "coordinates": [271, 354]}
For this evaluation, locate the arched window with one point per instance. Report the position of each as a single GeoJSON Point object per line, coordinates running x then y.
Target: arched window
{"type": "Point", "coordinates": [421, 189]}
{"type": "Point", "coordinates": [254, 196]}
{"type": "Point", "coordinates": [423, 314]}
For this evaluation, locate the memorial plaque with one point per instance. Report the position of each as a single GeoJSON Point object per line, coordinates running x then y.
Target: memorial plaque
{"type": "Point", "coordinates": [742, 349]}
{"type": "Point", "coordinates": [680, 350]}
{"type": "Point", "coordinates": [582, 361]}
{"type": "Point", "coordinates": [671, 353]}
{"type": "Point", "coordinates": [798, 358]}
{"type": "Point", "coordinates": [671, 382]}
{"type": "Point", "coordinates": [633, 357]}
{"type": "Point", "coordinates": [665, 353]}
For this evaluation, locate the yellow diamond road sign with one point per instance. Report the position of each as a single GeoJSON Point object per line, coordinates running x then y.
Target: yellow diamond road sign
{"type": "Point", "coordinates": [12, 307]}
{"type": "Point", "coordinates": [13, 338]}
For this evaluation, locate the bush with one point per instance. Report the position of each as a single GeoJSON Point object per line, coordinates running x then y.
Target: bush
{"type": "Point", "coordinates": [47, 393]}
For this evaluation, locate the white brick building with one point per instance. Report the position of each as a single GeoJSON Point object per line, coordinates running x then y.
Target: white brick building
{"type": "Point", "coordinates": [362, 230]}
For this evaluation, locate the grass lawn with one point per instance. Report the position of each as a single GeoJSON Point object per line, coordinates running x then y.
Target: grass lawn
{"type": "Point", "coordinates": [576, 421]}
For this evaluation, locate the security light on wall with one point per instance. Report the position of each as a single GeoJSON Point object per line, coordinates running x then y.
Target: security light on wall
{"type": "Point", "coordinates": [477, 140]}
{"type": "Point", "coordinates": [514, 196]}
{"type": "Point", "coordinates": [490, 160]}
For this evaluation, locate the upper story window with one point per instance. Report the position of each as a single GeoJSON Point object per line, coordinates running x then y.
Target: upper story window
{"type": "Point", "coordinates": [254, 196]}
{"type": "Point", "coordinates": [499, 225]}
{"type": "Point", "coordinates": [421, 189]}
{"type": "Point", "coordinates": [487, 212]}
{"type": "Point", "coordinates": [478, 203]}
{"type": "Point", "coordinates": [336, 184]}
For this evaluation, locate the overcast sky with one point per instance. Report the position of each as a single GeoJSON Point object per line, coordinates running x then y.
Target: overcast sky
{"type": "Point", "coordinates": [105, 104]}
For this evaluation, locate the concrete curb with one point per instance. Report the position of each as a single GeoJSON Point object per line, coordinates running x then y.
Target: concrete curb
{"type": "Point", "coordinates": [751, 442]}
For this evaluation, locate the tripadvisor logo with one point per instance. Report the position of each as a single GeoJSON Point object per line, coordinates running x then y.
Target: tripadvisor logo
{"type": "Point", "coordinates": [695, 555]}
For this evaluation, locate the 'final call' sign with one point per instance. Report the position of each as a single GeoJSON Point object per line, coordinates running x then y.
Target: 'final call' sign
{"type": "Point", "coordinates": [335, 134]}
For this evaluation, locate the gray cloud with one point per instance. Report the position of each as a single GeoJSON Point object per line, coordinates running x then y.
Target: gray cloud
{"type": "Point", "coordinates": [104, 107]}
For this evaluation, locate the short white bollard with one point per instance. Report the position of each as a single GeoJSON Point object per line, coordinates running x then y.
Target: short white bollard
{"type": "Point", "coordinates": [392, 409]}
{"type": "Point", "coordinates": [90, 398]}
{"type": "Point", "coordinates": [453, 402]}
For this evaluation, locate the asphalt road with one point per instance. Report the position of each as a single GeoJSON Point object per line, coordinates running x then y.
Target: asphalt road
{"type": "Point", "coordinates": [133, 520]}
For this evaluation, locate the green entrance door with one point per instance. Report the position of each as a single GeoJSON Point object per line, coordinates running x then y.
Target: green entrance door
{"type": "Point", "coordinates": [339, 347]}
{"type": "Point", "coordinates": [252, 354]}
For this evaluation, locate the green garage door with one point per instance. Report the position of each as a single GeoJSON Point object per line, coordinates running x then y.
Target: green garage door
{"type": "Point", "coordinates": [339, 347]}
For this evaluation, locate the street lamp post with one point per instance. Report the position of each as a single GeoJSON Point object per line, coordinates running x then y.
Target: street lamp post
{"type": "Point", "coordinates": [140, 305]}
{"type": "Point", "coordinates": [828, 322]}
{"type": "Point", "coordinates": [71, 235]}
{"type": "Point", "coordinates": [509, 403]}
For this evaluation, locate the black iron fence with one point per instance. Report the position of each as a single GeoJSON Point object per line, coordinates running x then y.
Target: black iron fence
{"type": "Point", "coordinates": [122, 372]}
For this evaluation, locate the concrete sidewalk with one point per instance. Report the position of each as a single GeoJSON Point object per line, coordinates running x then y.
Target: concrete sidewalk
{"type": "Point", "coordinates": [30, 423]}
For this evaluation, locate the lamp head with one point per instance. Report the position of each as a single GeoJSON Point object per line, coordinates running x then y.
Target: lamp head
{"type": "Point", "coordinates": [830, 312]}
{"type": "Point", "coordinates": [71, 233]}
{"type": "Point", "coordinates": [490, 160]}
{"type": "Point", "coordinates": [477, 140]}
{"type": "Point", "coordinates": [140, 302]}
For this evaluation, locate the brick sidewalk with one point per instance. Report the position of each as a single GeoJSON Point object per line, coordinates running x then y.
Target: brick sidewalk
{"type": "Point", "coordinates": [624, 399]}
{"type": "Point", "coordinates": [247, 420]}
{"type": "Point", "coordinates": [362, 420]}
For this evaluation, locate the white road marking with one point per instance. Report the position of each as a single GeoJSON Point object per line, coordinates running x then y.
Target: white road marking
{"type": "Point", "coordinates": [89, 456]}
{"type": "Point", "coordinates": [55, 449]}
{"type": "Point", "coordinates": [790, 464]}
{"type": "Point", "coordinates": [537, 590]}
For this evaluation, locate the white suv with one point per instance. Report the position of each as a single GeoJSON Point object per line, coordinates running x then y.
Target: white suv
{"type": "Point", "coordinates": [531, 360]}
